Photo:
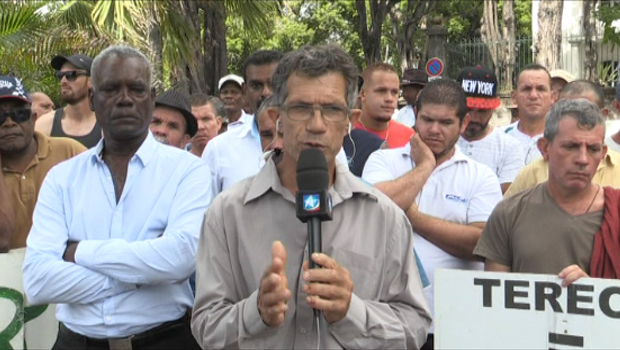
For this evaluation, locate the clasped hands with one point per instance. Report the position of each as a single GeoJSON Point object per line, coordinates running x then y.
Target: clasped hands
{"type": "Point", "coordinates": [328, 289]}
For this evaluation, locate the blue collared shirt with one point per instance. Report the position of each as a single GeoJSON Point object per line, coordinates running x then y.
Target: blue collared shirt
{"type": "Point", "coordinates": [134, 256]}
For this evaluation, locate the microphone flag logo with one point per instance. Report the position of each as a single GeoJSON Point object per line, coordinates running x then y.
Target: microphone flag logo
{"type": "Point", "coordinates": [312, 202]}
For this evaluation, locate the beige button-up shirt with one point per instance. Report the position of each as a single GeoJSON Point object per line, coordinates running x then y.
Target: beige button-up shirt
{"type": "Point", "coordinates": [369, 235]}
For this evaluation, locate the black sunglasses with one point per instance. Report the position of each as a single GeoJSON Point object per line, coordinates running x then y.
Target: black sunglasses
{"type": "Point", "coordinates": [71, 75]}
{"type": "Point", "coordinates": [18, 116]}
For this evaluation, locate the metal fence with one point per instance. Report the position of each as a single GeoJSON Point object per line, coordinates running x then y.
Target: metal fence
{"type": "Point", "coordinates": [476, 52]}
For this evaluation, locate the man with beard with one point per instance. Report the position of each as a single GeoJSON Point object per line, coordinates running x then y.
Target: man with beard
{"type": "Point", "coordinates": [25, 158]}
{"type": "Point", "coordinates": [76, 120]}
{"type": "Point", "coordinates": [236, 154]}
{"type": "Point", "coordinates": [533, 97]}
{"type": "Point", "coordinates": [209, 112]}
{"type": "Point", "coordinates": [481, 141]}
{"type": "Point", "coordinates": [173, 123]}
{"type": "Point", "coordinates": [447, 196]}
{"type": "Point", "coordinates": [379, 98]}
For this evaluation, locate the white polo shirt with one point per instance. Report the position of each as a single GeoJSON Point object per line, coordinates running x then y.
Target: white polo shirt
{"type": "Point", "coordinates": [500, 152]}
{"type": "Point", "coordinates": [459, 190]}
{"type": "Point", "coordinates": [528, 143]}
{"type": "Point", "coordinates": [243, 120]}
{"type": "Point", "coordinates": [237, 154]}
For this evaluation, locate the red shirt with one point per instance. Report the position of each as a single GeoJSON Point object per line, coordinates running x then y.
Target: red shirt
{"type": "Point", "coordinates": [396, 135]}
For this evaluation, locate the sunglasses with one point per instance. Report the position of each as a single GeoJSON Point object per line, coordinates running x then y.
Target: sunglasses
{"type": "Point", "coordinates": [18, 116]}
{"type": "Point", "coordinates": [71, 75]}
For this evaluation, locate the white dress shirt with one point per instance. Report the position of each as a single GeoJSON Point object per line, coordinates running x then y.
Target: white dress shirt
{"type": "Point", "coordinates": [242, 121]}
{"type": "Point", "coordinates": [459, 190]}
{"type": "Point", "coordinates": [134, 257]}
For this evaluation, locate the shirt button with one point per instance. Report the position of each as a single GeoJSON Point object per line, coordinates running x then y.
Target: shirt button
{"type": "Point", "coordinates": [108, 319]}
{"type": "Point", "coordinates": [23, 177]}
{"type": "Point", "coordinates": [303, 331]}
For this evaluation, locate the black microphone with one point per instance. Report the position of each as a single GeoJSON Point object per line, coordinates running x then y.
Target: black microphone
{"type": "Point", "coordinates": [313, 203]}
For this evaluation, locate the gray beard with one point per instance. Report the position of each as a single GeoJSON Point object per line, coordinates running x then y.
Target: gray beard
{"type": "Point", "coordinates": [161, 139]}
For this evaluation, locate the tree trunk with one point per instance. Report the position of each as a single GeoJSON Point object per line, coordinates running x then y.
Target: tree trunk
{"type": "Point", "coordinates": [490, 32]}
{"type": "Point", "coordinates": [404, 27]}
{"type": "Point", "coordinates": [214, 44]}
{"type": "Point", "coordinates": [549, 43]}
{"type": "Point", "coordinates": [590, 49]}
{"type": "Point", "coordinates": [157, 49]}
{"type": "Point", "coordinates": [509, 57]}
{"type": "Point", "coordinates": [371, 37]}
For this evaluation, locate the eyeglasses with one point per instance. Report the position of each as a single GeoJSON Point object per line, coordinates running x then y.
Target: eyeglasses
{"type": "Point", "coordinates": [303, 113]}
{"type": "Point", "coordinates": [18, 116]}
{"type": "Point", "coordinates": [71, 75]}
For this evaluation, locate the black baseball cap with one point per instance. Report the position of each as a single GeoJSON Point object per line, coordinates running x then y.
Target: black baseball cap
{"type": "Point", "coordinates": [480, 85]}
{"type": "Point", "coordinates": [78, 60]}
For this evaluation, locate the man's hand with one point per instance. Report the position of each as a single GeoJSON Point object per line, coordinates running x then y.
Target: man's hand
{"type": "Point", "coordinates": [420, 152]}
{"type": "Point", "coordinates": [69, 255]}
{"type": "Point", "coordinates": [571, 274]}
{"type": "Point", "coordinates": [273, 292]}
{"type": "Point", "coordinates": [329, 289]}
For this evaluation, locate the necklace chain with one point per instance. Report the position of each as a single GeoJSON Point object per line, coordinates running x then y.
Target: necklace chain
{"type": "Point", "coordinates": [387, 134]}
{"type": "Point", "coordinates": [594, 198]}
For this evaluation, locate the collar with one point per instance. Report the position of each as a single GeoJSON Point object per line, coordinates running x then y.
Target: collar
{"type": "Point", "coordinates": [345, 186]}
{"type": "Point", "coordinates": [147, 150]}
{"type": "Point", "coordinates": [612, 159]}
{"type": "Point", "coordinates": [248, 127]}
{"type": "Point", "coordinates": [457, 157]}
{"type": "Point", "coordinates": [43, 150]}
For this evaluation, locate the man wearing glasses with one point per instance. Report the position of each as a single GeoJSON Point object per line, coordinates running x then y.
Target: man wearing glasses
{"type": "Point", "coordinates": [76, 120]}
{"type": "Point", "coordinates": [25, 158]}
{"type": "Point", "coordinates": [254, 288]}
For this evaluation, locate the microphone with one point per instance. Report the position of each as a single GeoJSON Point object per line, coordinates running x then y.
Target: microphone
{"type": "Point", "coordinates": [312, 201]}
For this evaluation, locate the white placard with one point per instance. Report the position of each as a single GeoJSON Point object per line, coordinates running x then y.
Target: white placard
{"type": "Point", "coordinates": [485, 310]}
{"type": "Point", "coordinates": [41, 327]}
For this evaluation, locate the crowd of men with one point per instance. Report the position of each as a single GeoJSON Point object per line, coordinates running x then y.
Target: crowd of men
{"type": "Point", "coordinates": [122, 195]}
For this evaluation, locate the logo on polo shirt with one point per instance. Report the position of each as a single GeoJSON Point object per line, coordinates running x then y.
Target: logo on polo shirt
{"type": "Point", "coordinates": [455, 198]}
{"type": "Point", "coordinates": [312, 202]}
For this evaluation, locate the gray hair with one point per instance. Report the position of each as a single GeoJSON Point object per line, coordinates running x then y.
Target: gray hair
{"type": "Point", "coordinates": [316, 61]}
{"type": "Point", "coordinates": [121, 52]}
{"type": "Point", "coordinates": [268, 102]}
{"type": "Point", "coordinates": [587, 115]}
{"type": "Point", "coordinates": [200, 99]}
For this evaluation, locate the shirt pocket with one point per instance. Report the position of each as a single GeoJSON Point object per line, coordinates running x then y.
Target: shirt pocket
{"type": "Point", "coordinates": [363, 269]}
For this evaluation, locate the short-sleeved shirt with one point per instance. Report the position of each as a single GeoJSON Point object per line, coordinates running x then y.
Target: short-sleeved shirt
{"type": "Point", "coordinates": [396, 135]}
{"type": "Point", "coordinates": [529, 144]}
{"type": "Point", "coordinates": [24, 187]}
{"type": "Point", "coordinates": [607, 174]}
{"type": "Point", "coordinates": [530, 233]}
{"type": "Point", "coordinates": [459, 190]}
{"type": "Point", "coordinates": [498, 151]}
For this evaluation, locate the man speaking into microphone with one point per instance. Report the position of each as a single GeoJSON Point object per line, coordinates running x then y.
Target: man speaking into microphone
{"type": "Point", "coordinates": [255, 287]}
